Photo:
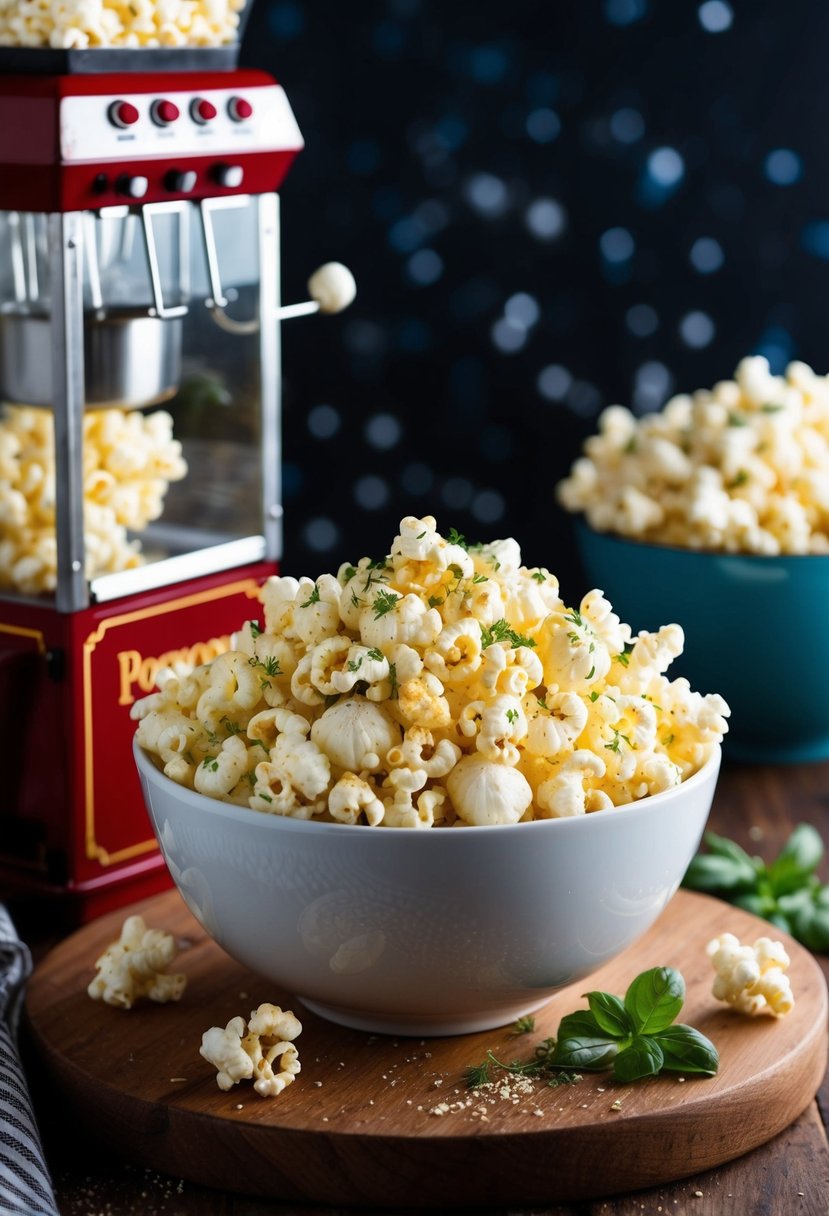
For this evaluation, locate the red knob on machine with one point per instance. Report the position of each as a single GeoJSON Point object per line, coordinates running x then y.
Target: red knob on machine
{"type": "Point", "coordinates": [229, 176]}
{"type": "Point", "coordinates": [122, 114]}
{"type": "Point", "coordinates": [202, 111]}
{"type": "Point", "coordinates": [163, 112]}
{"type": "Point", "coordinates": [132, 185]}
{"type": "Point", "coordinates": [181, 181]}
{"type": "Point", "coordinates": [239, 109]}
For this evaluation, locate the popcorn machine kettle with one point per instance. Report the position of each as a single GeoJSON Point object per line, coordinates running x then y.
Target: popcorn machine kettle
{"type": "Point", "coordinates": [139, 265]}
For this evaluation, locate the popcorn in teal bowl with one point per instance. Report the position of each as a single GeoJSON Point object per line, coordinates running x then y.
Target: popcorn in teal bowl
{"type": "Point", "coordinates": [714, 513]}
{"type": "Point", "coordinates": [756, 630]}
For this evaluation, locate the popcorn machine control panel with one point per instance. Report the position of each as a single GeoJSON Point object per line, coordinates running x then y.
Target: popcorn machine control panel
{"type": "Point", "coordinates": [86, 142]}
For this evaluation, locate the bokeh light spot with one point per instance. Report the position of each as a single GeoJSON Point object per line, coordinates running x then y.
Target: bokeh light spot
{"type": "Point", "coordinates": [783, 167]}
{"type": "Point", "coordinates": [715, 16]}
{"type": "Point", "coordinates": [321, 534]}
{"type": "Point", "coordinates": [323, 421]}
{"type": "Point", "coordinates": [706, 255]}
{"type": "Point", "coordinates": [696, 329]}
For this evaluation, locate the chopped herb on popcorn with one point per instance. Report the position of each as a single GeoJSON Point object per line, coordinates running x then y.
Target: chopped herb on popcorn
{"type": "Point", "coordinates": [446, 684]}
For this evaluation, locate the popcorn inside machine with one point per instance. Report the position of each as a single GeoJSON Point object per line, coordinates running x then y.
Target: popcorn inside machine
{"type": "Point", "coordinates": [139, 432]}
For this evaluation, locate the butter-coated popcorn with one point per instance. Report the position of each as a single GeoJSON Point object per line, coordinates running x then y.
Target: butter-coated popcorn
{"type": "Point", "coordinates": [742, 468]}
{"type": "Point", "coordinates": [381, 697]}
{"type": "Point", "coordinates": [128, 461]}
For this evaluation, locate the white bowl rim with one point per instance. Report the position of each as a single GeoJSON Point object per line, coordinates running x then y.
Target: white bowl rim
{"type": "Point", "coordinates": [583, 525]}
{"type": "Point", "coordinates": [643, 807]}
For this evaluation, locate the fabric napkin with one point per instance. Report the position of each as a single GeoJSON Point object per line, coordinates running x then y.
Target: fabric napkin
{"type": "Point", "coordinates": [25, 1186]}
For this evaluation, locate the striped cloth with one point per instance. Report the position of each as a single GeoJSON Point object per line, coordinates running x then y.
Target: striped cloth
{"type": "Point", "coordinates": [25, 1187]}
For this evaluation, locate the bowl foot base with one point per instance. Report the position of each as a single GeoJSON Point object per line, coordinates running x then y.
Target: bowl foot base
{"type": "Point", "coordinates": [423, 1025]}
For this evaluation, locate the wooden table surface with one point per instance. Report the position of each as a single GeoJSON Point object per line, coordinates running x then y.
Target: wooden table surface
{"type": "Point", "coordinates": [758, 807]}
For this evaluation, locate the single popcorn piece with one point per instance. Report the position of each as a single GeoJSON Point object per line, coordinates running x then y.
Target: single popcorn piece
{"type": "Point", "coordinates": [742, 468]}
{"type": "Point", "coordinates": [751, 978]}
{"type": "Point", "coordinates": [135, 966]}
{"type": "Point", "coordinates": [250, 1052]}
{"type": "Point", "coordinates": [445, 685]}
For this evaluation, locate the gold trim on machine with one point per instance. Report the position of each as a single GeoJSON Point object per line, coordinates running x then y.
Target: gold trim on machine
{"type": "Point", "coordinates": [20, 631]}
{"type": "Point", "coordinates": [94, 850]}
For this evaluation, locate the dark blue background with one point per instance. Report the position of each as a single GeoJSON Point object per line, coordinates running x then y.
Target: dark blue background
{"type": "Point", "coordinates": [548, 207]}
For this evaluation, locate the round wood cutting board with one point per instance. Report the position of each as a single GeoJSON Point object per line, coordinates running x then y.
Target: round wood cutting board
{"type": "Point", "coordinates": [378, 1121]}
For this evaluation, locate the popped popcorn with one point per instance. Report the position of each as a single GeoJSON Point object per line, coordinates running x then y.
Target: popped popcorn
{"type": "Point", "coordinates": [742, 468]}
{"type": "Point", "coordinates": [241, 1052]}
{"type": "Point", "coordinates": [129, 23]}
{"type": "Point", "coordinates": [129, 460]}
{"type": "Point", "coordinates": [390, 695]}
{"type": "Point", "coordinates": [135, 967]}
{"type": "Point", "coordinates": [751, 978]}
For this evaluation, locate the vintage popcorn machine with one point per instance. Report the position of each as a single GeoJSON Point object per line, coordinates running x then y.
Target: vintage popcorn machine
{"type": "Point", "coordinates": [139, 265]}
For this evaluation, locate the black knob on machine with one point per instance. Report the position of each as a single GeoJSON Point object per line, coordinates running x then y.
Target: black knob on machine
{"type": "Point", "coordinates": [181, 181]}
{"type": "Point", "coordinates": [229, 176]}
{"type": "Point", "coordinates": [132, 185]}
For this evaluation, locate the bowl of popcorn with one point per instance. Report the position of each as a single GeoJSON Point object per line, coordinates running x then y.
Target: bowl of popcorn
{"type": "Point", "coordinates": [78, 25]}
{"type": "Point", "coordinates": [714, 511]}
{"type": "Point", "coordinates": [422, 794]}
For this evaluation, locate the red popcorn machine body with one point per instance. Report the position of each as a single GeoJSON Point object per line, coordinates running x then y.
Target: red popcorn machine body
{"type": "Point", "coordinates": [139, 270]}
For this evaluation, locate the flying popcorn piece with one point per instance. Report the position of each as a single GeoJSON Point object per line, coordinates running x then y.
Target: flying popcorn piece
{"type": "Point", "coordinates": [751, 978]}
{"type": "Point", "coordinates": [263, 1050]}
{"type": "Point", "coordinates": [135, 966]}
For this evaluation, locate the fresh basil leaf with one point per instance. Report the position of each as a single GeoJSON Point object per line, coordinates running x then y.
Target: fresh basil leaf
{"type": "Point", "coordinates": [800, 900]}
{"type": "Point", "coordinates": [710, 872]}
{"type": "Point", "coordinates": [760, 905]}
{"type": "Point", "coordinates": [610, 1014]}
{"type": "Point", "coordinates": [686, 1050]}
{"type": "Point", "coordinates": [721, 846]}
{"type": "Point", "coordinates": [579, 1052]}
{"type": "Point", "coordinates": [810, 925]}
{"type": "Point", "coordinates": [643, 1058]}
{"type": "Point", "coordinates": [799, 858]}
{"type": "Point", "coordinates": [582, 1022]}
{"type": "Point", "coordinates": [655, 998]}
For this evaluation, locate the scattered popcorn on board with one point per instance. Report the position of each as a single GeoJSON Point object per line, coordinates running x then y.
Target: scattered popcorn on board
{"type": "Point", "coordinates": [241, 1052]}
{"type": "Point", "coordinates": [751, 978]}
{"type": "Point", "coordinates": [136, 966]}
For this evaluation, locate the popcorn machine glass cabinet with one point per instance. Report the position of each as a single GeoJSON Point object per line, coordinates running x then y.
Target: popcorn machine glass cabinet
{"type": "Point", "coordinates": [168, 306]}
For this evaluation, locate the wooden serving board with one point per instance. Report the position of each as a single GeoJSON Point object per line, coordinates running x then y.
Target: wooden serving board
{"type": "Point", "coordinates": [362, 1124]}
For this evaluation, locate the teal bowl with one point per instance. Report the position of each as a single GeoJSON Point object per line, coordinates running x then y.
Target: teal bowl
{"type": "Point", "coordinates": [756, 631]}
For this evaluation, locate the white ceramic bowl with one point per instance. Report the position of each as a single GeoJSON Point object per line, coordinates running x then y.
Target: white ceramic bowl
{"type": "Point", "coordinates": [434, 932]}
